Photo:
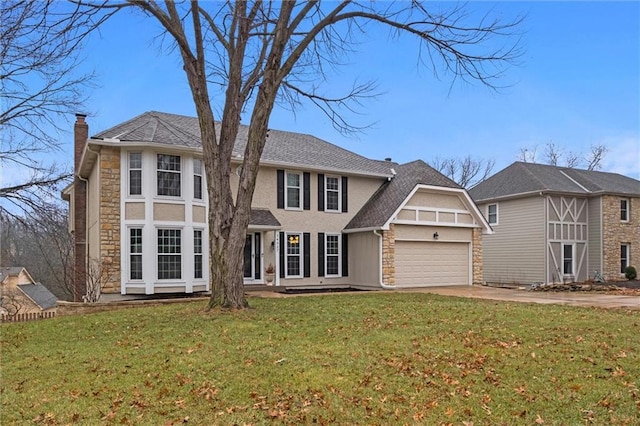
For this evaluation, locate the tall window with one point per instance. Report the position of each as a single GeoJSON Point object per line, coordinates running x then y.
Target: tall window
{"type": "Point", "coordinates": [293, 255]}
{"type": "Point", "coordinates": [624, 210]}
{"type": "Point", "coordinates": [492, 214]}
{"type": "Point", "coordinates": [197, 254]}
{"type": "Point", "coordinates": [135, 173]}
{"type": "Point", "coordinates": [293, 190]}
{"type": "Point", "coordinates": [168, 175]}
{"type": "Point", "coordinates": [332, 255]}
{"type": "Point", "coordinates": [624, 257]}
{"type": "Point", "coordinates": [197, 179]}
{"type": "Point", "coordinates": [169, 254]}
{"type": "Point", "coordinates": [567, 256]}
{"type": "Point", "coordinates": [135, 253]}
{"type": "Point", "coordinates": [332, 193]}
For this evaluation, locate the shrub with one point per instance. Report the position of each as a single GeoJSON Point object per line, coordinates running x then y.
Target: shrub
{"type": "Point", "coordinates": [630, 273]}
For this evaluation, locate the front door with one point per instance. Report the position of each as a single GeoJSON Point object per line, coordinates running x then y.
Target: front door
{"type": "Point", "coordinates": [252, 258]}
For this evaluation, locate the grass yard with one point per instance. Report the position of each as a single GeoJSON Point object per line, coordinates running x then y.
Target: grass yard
{"type": "Point", "coordinates": [366, 358]}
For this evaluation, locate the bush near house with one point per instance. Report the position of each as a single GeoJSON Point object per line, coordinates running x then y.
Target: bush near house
{"type": "Point", "coordinates": [365, 358]}
{"type": "Point", "coordinates": [630, 273]}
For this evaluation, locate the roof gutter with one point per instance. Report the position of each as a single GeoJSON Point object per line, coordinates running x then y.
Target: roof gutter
{"type": "Point", "coordinates": [382, 284]}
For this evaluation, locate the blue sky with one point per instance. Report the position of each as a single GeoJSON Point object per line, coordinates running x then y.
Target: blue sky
{"type": "Point", "coordinates": [578, 84]}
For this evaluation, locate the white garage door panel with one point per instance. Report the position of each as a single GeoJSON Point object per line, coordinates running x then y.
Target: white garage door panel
{"type": "Point", "coordinates": [422, 264]}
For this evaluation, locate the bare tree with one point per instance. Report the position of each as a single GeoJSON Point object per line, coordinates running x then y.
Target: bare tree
{"type": "Point", "coordinates": [555, 155]}
{"type": "Point", "coordinates": [98, 273]}
{"type": "Point", "coordinates": [39, 53]}
{"type": "Point", "coordinates": [466, 172]}
{"type": "Point", "coordinates": [262, 53]}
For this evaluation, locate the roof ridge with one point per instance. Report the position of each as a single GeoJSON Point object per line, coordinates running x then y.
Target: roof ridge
{"type": "Point", "coordinates": [531, 173]}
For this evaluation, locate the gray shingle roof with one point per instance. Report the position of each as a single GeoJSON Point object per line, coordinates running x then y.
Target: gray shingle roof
{"type": "Point", "coordinates": [263, 217]}
{"type": "Point", "coordinates": [523, 178]}
{"type": "Point", "coordinates": [39, 294]}
{"type": "Point", "coordinates": [281, 148]}
{"type": "Point", "coordinates": [386, 200]}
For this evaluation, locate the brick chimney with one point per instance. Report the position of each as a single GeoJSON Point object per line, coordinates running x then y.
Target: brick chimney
{"type": "Point", "coordinates": [80, 136]}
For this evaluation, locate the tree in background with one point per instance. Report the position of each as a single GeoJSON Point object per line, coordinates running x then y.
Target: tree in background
{"type": "Point", "coordinates": [466, 172]}
{"type": "Point", "coordinates": [263, 53]}
{"type": "Point", "coordinates": [39, 51]}
{"type": "Point", "coordinates": [555, 155]}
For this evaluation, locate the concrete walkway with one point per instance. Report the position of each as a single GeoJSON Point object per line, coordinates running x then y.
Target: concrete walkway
{"type": "Point", "coordinates": [559, 298]}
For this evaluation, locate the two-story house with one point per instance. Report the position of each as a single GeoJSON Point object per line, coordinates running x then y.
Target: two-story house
{"type": "Point", "coordinates": [322, 215]}
{"type": "Point", "coordinates": [557, 224]}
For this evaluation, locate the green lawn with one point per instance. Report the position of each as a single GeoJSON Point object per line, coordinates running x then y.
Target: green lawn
{"type": "Point", "coordinates": [366, 358]}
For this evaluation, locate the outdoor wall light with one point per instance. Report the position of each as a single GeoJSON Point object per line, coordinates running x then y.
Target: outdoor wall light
{"type": "Point", "coordinates": [435, 236]}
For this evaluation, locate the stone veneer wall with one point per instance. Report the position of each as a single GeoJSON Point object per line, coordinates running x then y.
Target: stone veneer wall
{"type": "Point", "coordinates": [389, 256]}
{"type": "Point", "coordinates": [478, 272]}
{"type": "Point", "coordinates": [110, 218]}
{"type": "Point", "coordinates": [616, 233]}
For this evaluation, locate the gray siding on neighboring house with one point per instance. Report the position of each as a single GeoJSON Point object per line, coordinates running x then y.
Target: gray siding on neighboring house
{"type": "Point", "coordinates": [595, 236]}
{"type": "Point", "coordinates": [364, 259]}
{"type": "Point", "coordinates": [515, 253]}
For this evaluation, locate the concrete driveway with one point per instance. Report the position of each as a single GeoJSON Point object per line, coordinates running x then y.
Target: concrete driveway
{"type": "Point", "coordinates": [558, 298]}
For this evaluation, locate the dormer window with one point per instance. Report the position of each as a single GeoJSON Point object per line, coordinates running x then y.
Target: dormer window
{"type": "Point", "coordinates": [168, 172]}
{"type": "Point", "coordinates": [624, 210]}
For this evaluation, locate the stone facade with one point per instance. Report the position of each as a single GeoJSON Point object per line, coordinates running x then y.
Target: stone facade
{"type": "Point", "coordinates": [389, 256]}
{"type": "Point", "coordinates": [476, 260]}
{"type": "Point", "coordinates": [616, 232]}
{"type": "Point", "coordinates": [110, 219]}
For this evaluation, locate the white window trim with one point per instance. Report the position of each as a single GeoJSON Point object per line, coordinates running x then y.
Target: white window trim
{"type": "Point", "coordinates": [489, 216]}
{"type": "Point", "coordinates": [181, 173]}
{"type": "Point", "coordinates": [300, 188]}
{"type": "Point", "coordinates": [628, 258]}
{"type": "Point", "coordinates": [338, 255]}
{"type": "Point", "coordinates": [201, 254]}
{"type": "Point", "coordinates": [326, 193]}
{"type": "Point", "coordinates": [130, 253]}
{"type": "Point", "coordinates": [130, 169]}
{"type": "Point", "coordinates": [573, 259]}
{"type": "Point", "coordinates": [157, 254]}
{"type": "Point", "coordinates": [300, 235]}
{"type": "Point", "coordinates": [201, 174]}
{"type": "Point", "coordinates": [628, 203]}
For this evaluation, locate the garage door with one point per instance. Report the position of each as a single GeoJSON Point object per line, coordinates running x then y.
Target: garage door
{"type": "Point", "coordinates": [424, 264]}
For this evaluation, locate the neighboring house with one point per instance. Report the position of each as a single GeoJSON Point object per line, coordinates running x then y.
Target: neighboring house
{"type": "Point", "coordinates": [553, 224]}
{"type": "Point", "coordinates": [322, 215]}
{"type": "Point", "coordinates": [21, 295]}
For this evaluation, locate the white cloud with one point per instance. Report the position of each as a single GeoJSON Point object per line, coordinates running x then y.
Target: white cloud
{"type": "Point", "coordinates": [623, 157]}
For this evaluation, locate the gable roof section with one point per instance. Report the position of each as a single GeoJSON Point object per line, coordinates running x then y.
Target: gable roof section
{"type": "Point", "coordinates": [282, 148]}
{"type": "Point", "coordinates": [390, 196]}
{"type": "Point", "coordinates": [40, 295]}
{"type": "Point", "coordinates": [521, 179]}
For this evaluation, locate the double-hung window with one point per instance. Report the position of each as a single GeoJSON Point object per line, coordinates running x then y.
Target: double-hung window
{"type": "Point", "coordinates": [197, 254]}
{"type": "Point", "coordinates": [624, 210]}
{"type": "Point", "coordinates": [197, 179]}
{"type": "Point", "coordinates": [293, 190]}
{"type": "Point", "coordinates": [169, 254]}
{"type": "Point", "coordinates": [135, 173]}
{"type": "Point", "coordinates": [135, 253]}
{"type": "Point", "coordinates": [168, 171]}
{"type": "Point", "coordinates": [332, 193]}
{"type": "Point", "coordinates": [567, 257]}
{"type": "Point", "coordinates": [492, 214]}
{"type": "Point", "coordinates": [332, 255]}
{"type": "Point", "coordinates": [624, 257]}
{"type": "Point", "coordinates": [293, 254]}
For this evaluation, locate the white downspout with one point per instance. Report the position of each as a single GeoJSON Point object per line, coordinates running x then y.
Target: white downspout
{"type": "Point", "coordinates": [383, 285]}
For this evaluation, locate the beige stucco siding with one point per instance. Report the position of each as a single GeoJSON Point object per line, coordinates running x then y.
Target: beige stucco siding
{"type": "Point", "coordinates": [442, 201]}
{"type": "Point", "coordinates": [425, 233]}
{"type": "Point", "coordinates": [199, 214]}
{"type": "Point", "coordinates": [134, 211]}
{"type": "Point", "coordinates": [364, 259]}
{"type": "Point", "coordinates": [516, 251]}
{"type": "Point", "coordinates": [168, 212]}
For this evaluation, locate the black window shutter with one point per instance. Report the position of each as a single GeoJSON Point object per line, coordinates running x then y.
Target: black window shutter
{"type": "Point", "coordinates": [257, 258]}
{"type": "Point", "coordinates": [282, 249]}
{"type": "Point", "coordinates": [345, 255]}
{"type": "Point", "coordinates": [344, 194]}
{"type": "Point", "coordinates": [306, 179]}
{"type": "Point", "coordinates": [320, 192]}
{"type": "Point", "coordinates": [321, 254]}
{"type": "Point", "coordinates": [280, 193]}
{"type": "Point", "coordinates": [306, 241]}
